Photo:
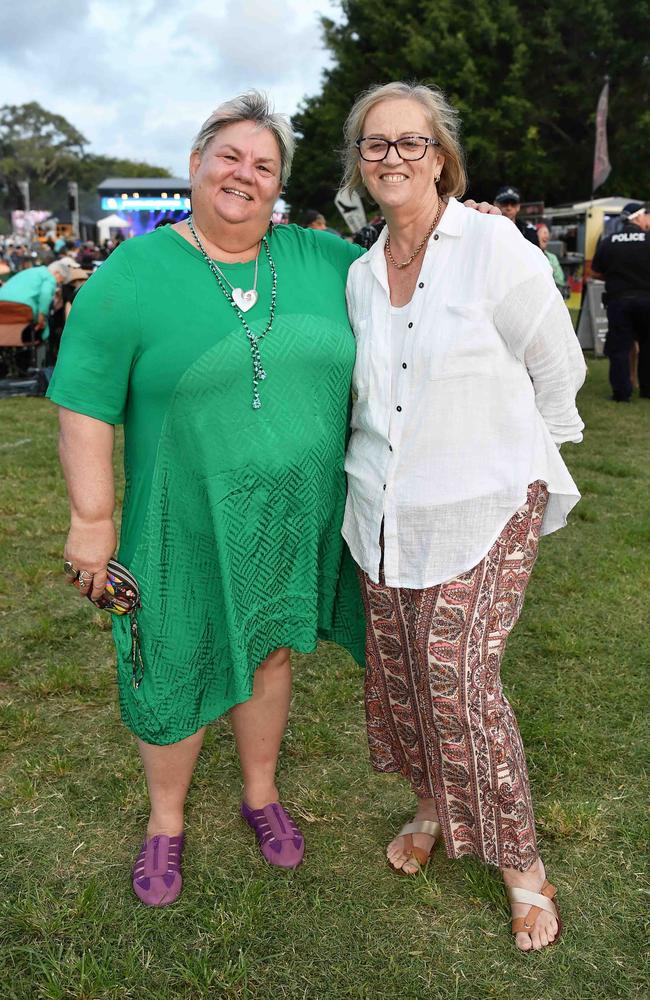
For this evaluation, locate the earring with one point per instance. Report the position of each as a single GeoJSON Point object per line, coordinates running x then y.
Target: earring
{"type": "Point", "coordinates": [436, 179]}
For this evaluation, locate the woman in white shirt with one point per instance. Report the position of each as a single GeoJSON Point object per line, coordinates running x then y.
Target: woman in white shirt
{"type": "Point", "coordinates": [465, 381]}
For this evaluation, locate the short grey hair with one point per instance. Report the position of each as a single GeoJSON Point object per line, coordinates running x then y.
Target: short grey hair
{"type": "Point", "coordinates": [253, 106]}
{"type": "Point", "coordinates": [444, 122]}
{"type": "Point", "coordinates": [61, 269]}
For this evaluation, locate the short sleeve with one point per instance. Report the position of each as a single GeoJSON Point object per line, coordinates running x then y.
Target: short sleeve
{"type": "Point", "coordinates": [338, 251]}
{"type": "Point", "coordinates": [46, 293]}
{"type": "Point", "coordinates": [99, 344]}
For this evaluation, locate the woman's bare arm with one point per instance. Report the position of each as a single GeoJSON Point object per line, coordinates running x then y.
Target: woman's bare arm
{"type": "Point", "coordinates": [86, 453]}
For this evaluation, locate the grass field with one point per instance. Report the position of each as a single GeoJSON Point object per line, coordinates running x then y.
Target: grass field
{"type": "Point", "coordinates": [73, 803]}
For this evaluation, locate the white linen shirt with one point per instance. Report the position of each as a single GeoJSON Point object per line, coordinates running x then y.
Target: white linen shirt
{"type": "Point", "coordinates": [445, 442]}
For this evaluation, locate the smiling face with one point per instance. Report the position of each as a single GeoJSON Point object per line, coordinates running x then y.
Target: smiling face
{"type": "Point", "coordinates": [543, 236]}
{"type": "Point", "coordinates": [395, 183]}
{"type": "Point", "coordinates": [236, 179]}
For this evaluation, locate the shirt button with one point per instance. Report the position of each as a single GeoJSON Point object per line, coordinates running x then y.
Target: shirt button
{"type": "Point", "coordinates": [390, 447]}
{"type": "Point", "coordinates": [421, 284]}
{"type": "Point", "coordinates": [410, 326]}
{"type": "Point", "coordinates": [399, 409]}
{"type": "Point", "coordinates": [384, 486]}
{"type": "Point", "coordinates": [435, 236]}
{"type": "Point", "coordinates": [404, 365]}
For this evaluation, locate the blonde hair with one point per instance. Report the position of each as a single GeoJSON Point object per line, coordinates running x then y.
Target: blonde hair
{"type": "Point", "coordinates": [443, 120]}
{"type": "Point", "coordinates": [253, 106]}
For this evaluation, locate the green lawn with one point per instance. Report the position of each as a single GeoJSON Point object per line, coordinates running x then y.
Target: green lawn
{"type": "Point", "coordinates": [342, 926]}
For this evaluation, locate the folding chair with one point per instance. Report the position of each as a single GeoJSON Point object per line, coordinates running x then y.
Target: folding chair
{"type": "Point", "coordinates": [18, 340]}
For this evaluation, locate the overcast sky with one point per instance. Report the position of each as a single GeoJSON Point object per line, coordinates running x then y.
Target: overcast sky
{"type": "Point", "coordinates": [138, 77]}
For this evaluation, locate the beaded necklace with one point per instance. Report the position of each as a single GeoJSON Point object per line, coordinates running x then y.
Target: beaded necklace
{"type": "Point", "coordinates": [259, 374]}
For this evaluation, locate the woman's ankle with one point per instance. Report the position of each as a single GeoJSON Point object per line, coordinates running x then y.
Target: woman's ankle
{"type": "Point", "coordinates": [427, 808]}
{"type": "Point", "coordinates": [165, 824]}
{"type": "Point", "coordinates": [514, 877]}
{"type": "Point", "coordinates": [258, 795]}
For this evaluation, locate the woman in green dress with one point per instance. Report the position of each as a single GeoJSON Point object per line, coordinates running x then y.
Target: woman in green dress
{"type": "Point", "coordinates": [223, 346]}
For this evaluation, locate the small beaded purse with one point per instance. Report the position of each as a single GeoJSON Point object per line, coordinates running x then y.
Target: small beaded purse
{"type": "Point", "coordinates": [121, 596]}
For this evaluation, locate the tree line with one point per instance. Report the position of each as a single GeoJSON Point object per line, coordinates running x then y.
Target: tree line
{"type": "Point", "coordinates": [525, 76]}
{"type": "Point", "coordinates": [46, 150]}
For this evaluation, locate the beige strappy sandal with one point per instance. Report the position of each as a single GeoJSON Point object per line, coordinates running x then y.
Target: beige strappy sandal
{"type": "Point", "coordinates": [418, 854]}
{"type": "Point", "coordinates": [543, 900]}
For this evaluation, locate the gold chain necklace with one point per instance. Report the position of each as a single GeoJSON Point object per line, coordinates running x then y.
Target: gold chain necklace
{"type": "Point", "coordinates": [419, 246]}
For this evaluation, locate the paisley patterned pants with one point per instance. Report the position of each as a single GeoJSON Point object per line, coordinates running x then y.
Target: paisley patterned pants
{"type": "Point", "coordinates": [435, 709]}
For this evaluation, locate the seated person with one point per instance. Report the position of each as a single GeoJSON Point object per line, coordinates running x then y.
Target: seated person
{"type": "Point", "coordinates": [36, 287]}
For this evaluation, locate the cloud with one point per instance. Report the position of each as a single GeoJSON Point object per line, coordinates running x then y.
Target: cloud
{"type": "Point", "coordinates": [251, 36]}
{"type": "Point", "coordinates": [138, 77]}
{"type": "Point", "coordinates": [36, 26]}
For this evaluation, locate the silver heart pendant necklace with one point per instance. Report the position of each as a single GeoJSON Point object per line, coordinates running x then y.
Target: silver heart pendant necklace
{"type": "Point", "coordinates": [245, 300]}
{"type": "Point", "coordinates": [241, 301]}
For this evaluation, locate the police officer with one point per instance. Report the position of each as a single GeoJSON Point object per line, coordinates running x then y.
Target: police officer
{"type": "Point", "coordinates": [623, 261]}
{"type": "Point", "coordinates": [508, 200]}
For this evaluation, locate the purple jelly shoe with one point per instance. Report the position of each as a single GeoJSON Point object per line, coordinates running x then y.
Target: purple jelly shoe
{"type": "Point", "coordinates": [157, 878]}
{"type": "Point", "coordinates": [280, 840]}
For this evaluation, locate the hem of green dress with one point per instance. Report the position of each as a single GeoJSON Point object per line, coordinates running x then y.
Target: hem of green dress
{"type": "Point", "coordinates": [211, 717]}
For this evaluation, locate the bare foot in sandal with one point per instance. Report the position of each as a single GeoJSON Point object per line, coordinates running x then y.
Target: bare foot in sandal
{"type": "Point", "coordinates": [409, 852]}
{"type": "Point", "coordinates": [535, 918]}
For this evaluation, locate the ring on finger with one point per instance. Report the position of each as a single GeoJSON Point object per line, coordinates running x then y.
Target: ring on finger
{"type": "Point", "coordinates": [85, 578]}
{"type": "Point", "coordinates": [69, 569]}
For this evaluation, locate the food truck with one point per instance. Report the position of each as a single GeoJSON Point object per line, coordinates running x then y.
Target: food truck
{"type": "Point", "coordinates": [575, 232]}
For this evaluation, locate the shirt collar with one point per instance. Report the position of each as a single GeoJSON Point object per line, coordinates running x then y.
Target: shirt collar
{"type": "Point", "coordinates": [451, 223]}
{"type": "Point", "coordinates": [377, 260]}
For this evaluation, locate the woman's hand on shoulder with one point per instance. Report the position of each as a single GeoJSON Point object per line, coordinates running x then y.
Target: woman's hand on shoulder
{"type": "Point", "coordinates": [484, 207]}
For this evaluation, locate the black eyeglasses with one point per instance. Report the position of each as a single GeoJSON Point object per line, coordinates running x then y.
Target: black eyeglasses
{"type": "Point", "coordinates": [409, 147]}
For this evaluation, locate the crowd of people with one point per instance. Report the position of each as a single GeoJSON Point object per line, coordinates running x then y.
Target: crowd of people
{"type": "Point", "coordinates": [44, 276]}
{"type": "Point", "coordinates": [19, 252]}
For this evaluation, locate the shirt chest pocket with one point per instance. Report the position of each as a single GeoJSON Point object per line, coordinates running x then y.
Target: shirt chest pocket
{"type": "Point", "coordinates": [467, 342]}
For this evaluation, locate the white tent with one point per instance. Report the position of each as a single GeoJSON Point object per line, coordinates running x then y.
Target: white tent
{"type": "Point", "coordinates": [111, 222]}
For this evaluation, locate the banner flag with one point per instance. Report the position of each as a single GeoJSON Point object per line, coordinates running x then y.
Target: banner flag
{"type": "Point", "coordinates": [602, 166]}
{"type": "Point", "coordinates": [351, 208]}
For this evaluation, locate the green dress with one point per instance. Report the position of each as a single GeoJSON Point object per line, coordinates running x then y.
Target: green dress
{"type": "Point", "coordinates": [232, 516]}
